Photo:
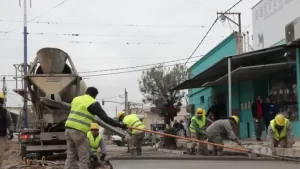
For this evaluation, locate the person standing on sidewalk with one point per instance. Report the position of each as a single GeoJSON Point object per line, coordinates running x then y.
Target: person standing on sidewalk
{"type": "Point", "coordinates": [82, 114]}
{"type": "Point", "coordinates": [269, 112]}
{"type": "Point", "coordinates": [280, 132]}
{"type": "Point", "coordinates": [5, 123]}
{"type": "Point", "coordinates": [257, 113]}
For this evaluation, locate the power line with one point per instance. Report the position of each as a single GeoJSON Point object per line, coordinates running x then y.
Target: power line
{"type": "Point", "coordinates": [108, 42]}
{"type": "Point", "coordinates": [105, 35]}
{"type": "Point", "coordinates": [105, 24]}
{"type": "Point", "coordinates": [139, 70]}
{"type": "Point", "coordinates": [210, 30]}
{"type": "Point", "coordinates": [38, 15]}
{"type": "Point", "coordinates": [105, 70]}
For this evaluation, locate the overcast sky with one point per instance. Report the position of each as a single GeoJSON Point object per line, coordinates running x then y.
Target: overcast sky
{"type": "Point", "coordinates": [114, 34]}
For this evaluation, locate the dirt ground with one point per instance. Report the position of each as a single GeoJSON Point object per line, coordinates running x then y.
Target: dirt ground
{"type": "Point", "coordinates": [12, 158]}
{"type": "Point", "coordinates": [11, 154]}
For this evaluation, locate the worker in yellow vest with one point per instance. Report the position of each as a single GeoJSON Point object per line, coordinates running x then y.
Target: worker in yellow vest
{"type": "Point", "coordinates": [197, 130]}
{"type": "Point", "coordinates": [96, 142]}
{"type": "Point", "coordinates": [82, 114]}
{"type": "Point", "coordinates": [137, 136]}
{"type": "Point", "coordinates": [280, 133]}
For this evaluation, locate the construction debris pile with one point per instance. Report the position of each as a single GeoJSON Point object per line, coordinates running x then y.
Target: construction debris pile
{"type": "Point", "coordinates": [11, 155]}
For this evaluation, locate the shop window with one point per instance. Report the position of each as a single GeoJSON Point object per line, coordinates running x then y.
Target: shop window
{"type": "Point", "coordinates": [283, 92]}
{"type": "Point", "coordinates": [202, 99]}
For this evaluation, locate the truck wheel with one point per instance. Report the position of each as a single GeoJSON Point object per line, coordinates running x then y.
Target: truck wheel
{"type": "Point", "coordinates": [23, 151]}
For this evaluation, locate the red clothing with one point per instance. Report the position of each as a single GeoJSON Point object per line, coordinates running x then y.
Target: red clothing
{"type": "Point", "coordinates": [259, 109]}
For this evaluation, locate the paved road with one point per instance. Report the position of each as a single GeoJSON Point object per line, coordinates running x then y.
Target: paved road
{"type": "Point", "coordinates": [187, 164]}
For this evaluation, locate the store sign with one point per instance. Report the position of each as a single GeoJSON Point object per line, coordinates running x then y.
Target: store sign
{"type": "Point", "coordinates": [269, 20]}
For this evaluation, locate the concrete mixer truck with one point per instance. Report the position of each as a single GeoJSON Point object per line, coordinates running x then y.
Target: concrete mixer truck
{"type": "Point", "coordinates": [53, 82]}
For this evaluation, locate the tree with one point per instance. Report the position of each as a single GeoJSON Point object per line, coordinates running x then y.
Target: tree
{"type": "Point", "coordinates": [156, 84]}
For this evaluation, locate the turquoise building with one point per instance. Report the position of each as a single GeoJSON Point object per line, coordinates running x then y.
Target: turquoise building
{"type": "Point", "coordinates": [273, 72]}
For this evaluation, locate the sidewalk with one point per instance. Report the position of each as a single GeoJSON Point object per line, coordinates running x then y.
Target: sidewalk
{"type": "Point", "coordinates": [254, 146]}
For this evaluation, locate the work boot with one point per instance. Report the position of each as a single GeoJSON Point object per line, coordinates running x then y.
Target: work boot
{"type": "Point", "coordinates": [133, 153]}
{"type": "Point", "coordinates": [192, 151]}
{"type": "Point", "coordinates": [139, 152]}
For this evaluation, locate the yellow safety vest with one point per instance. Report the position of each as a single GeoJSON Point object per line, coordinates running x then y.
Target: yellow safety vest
{"type": "Point", "coordinates": [133, 120]}
{"type": "Point", "coordinates": [94, 142]}
{"type": "Point", "coordinates": [80, 118]}
{"type": "Point", "coordinates": [200, 122]}
{"type": "Point", "coordinates": [282, 134]}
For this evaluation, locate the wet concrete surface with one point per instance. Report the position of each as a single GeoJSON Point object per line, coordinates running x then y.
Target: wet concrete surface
{"type": "Point", "coordinates": [191, 164]}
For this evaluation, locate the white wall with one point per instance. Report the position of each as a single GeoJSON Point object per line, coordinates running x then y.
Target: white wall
{"type": "Point", "coordinates": [269, 20]}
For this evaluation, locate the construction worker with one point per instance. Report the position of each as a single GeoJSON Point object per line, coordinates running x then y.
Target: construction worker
{"type": "Point", "coordinates": [137, 136]}
{"type": "Point", "coordinates": [5, 123]}
{"type": "Point", "coordinates": [82, 114]}
{"type": "Point", "coordinates": [197, 130]}
{"type": "Point", "coordinates": [96, 141]}
{"type": "Point", "coordinates": [280, 133]}
{"type": "Point", "coordinates": [219, 129]}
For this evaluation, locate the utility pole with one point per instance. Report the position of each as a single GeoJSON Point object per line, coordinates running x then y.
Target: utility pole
{"type": "Point", "coordinates": [116, 111]}
{"type": "Point", "coordinates": [126, 102]}
{"type": "Point", "coordinates": [224, 16]}
{"type": "Point", "coordinates": [4, 89]}
{"type": "Point", "coordinates": [25, 63]}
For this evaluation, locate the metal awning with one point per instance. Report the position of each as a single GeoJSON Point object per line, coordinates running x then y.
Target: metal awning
{"type": "Point", "coordinates": [250, 73]}
{"type": "Point", "coordinates": [272, 55]}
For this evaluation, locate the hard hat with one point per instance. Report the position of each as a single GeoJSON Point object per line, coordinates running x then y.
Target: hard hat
{"type": "Point", "coordinates": [94, 126]}
{"type": "Point", "coordinates": [280, 119]}
{"type": "Point", "coordinates": [235, 118]}
{"type": "Point", "coordinates": [200, 111]}
{"type": "Point", "coordinates": [1, 95]}
{"type": "Point", "coordinates": [120, 114]}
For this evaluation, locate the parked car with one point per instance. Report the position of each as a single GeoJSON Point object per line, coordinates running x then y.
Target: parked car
{"type": "Point", "coordinates": [118, 140]}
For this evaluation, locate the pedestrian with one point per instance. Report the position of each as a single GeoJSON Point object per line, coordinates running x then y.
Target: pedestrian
{"type": "Point", "coordinates": [280, 132]}
{"type": "Point", "coordinates": [257, 113]}
{"type": "Point", "coordinates": [220, 130]}
{"type": "Point", "coordinates": [5, 123]}
{"type": "Point", "coordinates": [269, 111]}
{"type": "Point", "coordinates": [182, 128]}
{"type": "Point", "coordinates": [197, 131]}
{"type": "Point", "coordinates": [137, 136]}
{"type": "Point", "coordinates": [83, 111]}
{"type": "Point", "coordinates": [176, 126]}
{"type": "Point", "coordinates": [96, 142]}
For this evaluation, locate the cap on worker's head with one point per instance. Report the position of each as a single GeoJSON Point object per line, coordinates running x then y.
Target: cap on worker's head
{"type": "Point", "coordinates": [120, 114]}
{"type": "Point", "coordinates": [1, 95]}
{"type": "Point", "coordinates": [94, 126]}
{"type": "Point", "coordinates": [280, 119]}
{"type": "Point", "coordinates": [92, 91]}
{"type": "Point", "coordinates": [235, 118]}
{"type": "Point", "coordinates": [200, 111]}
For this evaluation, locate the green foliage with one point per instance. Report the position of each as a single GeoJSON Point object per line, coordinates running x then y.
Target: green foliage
{"type": "Point", "coordinates": [156, 84]}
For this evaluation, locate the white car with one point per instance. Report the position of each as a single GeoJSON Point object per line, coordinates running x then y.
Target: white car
{"type": "Point", "coordinates": [118, 140]}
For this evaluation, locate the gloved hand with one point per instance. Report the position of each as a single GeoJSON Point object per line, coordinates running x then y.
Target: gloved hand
{"type": "Point", "coordinates": [10, 135]}
{"type": "Point", "coordinates": [94, 158]}
{"type": "Point", "coordinates": [102, 157]}
{"type": "Point", "coordinates": [239, 142]}
{"type": "Point", "coordinates": [124, 126]}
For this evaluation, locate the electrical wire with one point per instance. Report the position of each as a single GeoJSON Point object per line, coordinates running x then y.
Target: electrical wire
{"type": "Point", "coordinates": [105, 35]}
{"type": "Point", "coordinates": [139, 70]}
{"type": "Point", "coordinates": [153, 64]}
{"type": "Point", "coordinates": [213, 24]}
{"type": "Point", "coordinates": [38, 16]}
{"type": "Point", "coordinates": [107, 42]}
{"type": "Point", "coordinates": [105, 70]}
